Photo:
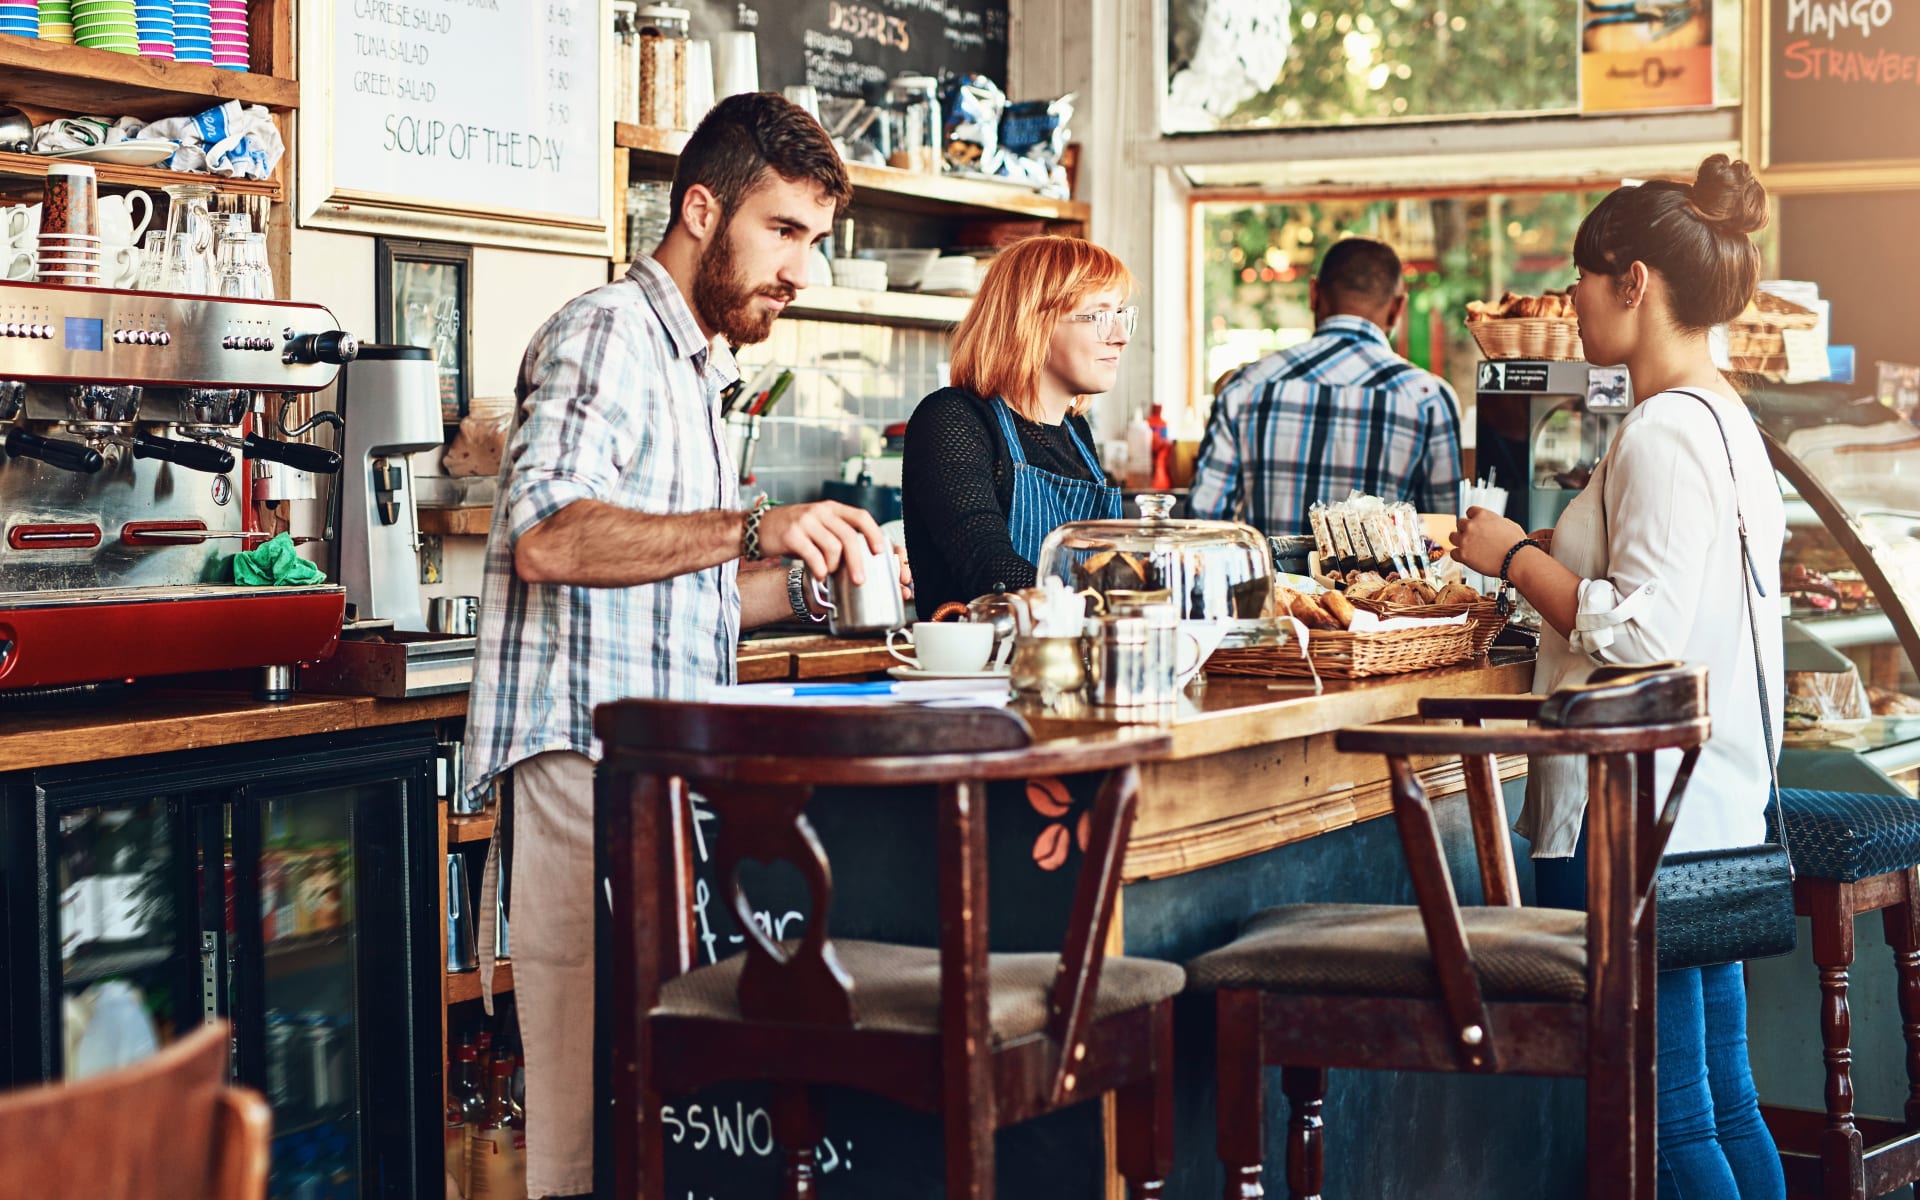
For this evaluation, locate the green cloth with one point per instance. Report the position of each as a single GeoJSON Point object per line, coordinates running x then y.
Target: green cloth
{"type": "Point", "coordinates": [275, 563]}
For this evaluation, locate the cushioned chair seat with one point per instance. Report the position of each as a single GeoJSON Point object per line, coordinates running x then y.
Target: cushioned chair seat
{"type": "Point", "coordinates": [898, 988]}
{"type": "Point", "coordinates": [1847, 836]}
{"type": "Point", "coordinates": [1381, 950]}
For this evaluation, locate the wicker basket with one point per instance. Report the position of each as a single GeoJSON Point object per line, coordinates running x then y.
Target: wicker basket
{"type": "Point", "coordinates": [1552, 338]}
{"type": "Point", "coordinates": [1351, 655]}
{"type": "Point", "coordinates": [1486, 620]}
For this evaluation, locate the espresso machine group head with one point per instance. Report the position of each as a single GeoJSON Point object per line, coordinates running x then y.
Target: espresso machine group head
{"type": "Point", "coordinates": [124, 419]}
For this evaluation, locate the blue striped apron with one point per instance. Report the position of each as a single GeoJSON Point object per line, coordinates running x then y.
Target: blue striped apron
{"type": "Point", "coordinates": [1044, 501]}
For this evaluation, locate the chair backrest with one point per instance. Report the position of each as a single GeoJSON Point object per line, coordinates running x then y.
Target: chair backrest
{"type": "Point", "coordinates": [755, 769]}
{"type": "Point", "coordinates": [164, 1127]}
{"type": "Point", "coordinates": [1617, 720]}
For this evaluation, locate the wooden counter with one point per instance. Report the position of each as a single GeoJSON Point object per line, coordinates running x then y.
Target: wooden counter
{"type": "Point", "coordinates": [157, 722]}
{"type": "Point", "coordinates": [1253, 767]}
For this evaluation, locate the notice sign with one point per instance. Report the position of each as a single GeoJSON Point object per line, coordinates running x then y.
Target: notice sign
{"type": "Point", "coordinates": [1841, 84]}
{"type": "Point", "coordinates": [472, 109]}
{"type": "Point", "coordinates": [1645, 54]}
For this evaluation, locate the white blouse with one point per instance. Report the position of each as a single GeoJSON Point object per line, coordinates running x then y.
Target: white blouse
{"type": "Point", "coordinates": [1661, 578]}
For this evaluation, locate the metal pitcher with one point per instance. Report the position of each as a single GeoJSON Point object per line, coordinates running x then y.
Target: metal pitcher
{"type": "Point", "coordinates": [871, 607]}
{"type": "Point", "coordinates": [1050, 672]}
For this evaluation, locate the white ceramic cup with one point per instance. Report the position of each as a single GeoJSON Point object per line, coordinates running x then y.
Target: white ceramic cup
{"type": "Point", "coordinates": [22, 224]}
{"type": "Point", "coordinates": [117, 223]}
{"type": "Point", "coordinates": [946, 647]}
{"type": "Point", "coordinates": [20, 264]}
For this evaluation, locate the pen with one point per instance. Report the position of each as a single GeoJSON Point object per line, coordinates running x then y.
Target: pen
{"type": "Point", "coordinates": [843, 689]}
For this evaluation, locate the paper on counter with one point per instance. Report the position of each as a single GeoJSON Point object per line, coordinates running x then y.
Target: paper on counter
{"type": "Point", "coordinates": [1367, 622]}
{"type": "Point", "coordinates": [940, 693]}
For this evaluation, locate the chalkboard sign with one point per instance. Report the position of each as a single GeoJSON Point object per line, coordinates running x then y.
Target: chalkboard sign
{"type": "Point", "coordinates": [399, 128]}
{"type": "Point", "coordinates": [841, 46]}
{"type": "Point", "coordinates": [1834, 94]}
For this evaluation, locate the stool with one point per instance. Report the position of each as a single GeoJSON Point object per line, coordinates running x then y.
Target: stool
{"type": "Point", "coordinates": [984, 1040]}
{"type": "Point", "coordinates": [1496, 989]}
{"type": "Point", "coordinates": [1853, 853]}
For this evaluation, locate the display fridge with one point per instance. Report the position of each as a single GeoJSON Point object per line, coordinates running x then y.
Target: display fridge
{"type": "Point", "coordinates": [288, 887]}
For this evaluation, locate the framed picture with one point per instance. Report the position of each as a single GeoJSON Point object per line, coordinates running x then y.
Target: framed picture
{"type": "Point", "coordinates": [423, 296]}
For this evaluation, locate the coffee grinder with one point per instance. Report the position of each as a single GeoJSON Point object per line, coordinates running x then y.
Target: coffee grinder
{"type": "Point", "coordinates": [390, 399]}
{"type": "Point", "coordinates": [1542, 428]}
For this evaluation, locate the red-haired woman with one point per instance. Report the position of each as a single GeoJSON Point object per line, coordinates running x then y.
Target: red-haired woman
{"type": "Point", "coordinates": [997, 461]}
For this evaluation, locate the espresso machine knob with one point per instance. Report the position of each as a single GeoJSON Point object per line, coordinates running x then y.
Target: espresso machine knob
{"type": "Point", "coordinates": [334, 346]}
{"type": "Point", "coordinates": [298, 455]}
{"type": "Point", "coordinates": [195, 456]}
{"type": "Point", "coordinates": [68, 456]}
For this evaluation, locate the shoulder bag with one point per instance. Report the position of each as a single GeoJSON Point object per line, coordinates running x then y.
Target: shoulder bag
{"type": "Point", "coordinates": [1723, 906]}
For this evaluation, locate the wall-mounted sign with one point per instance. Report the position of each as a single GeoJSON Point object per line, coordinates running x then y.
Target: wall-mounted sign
{"type": "Point", "coordinates": [1829, 88]}
{"type": "Point", "coordinates": [1637, 55]}
{"type": "Point", "coordinates": [477, 120]}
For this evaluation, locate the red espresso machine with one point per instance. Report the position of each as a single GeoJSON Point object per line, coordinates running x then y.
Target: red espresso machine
{"type": "Point", "coordinates": [124, 423]}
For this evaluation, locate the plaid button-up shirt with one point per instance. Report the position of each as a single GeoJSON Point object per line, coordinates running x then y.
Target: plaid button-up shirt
{"type": "Point", "coordinates": [618, 402]}
{"type": "Point", "coordinates": [1339, 413]}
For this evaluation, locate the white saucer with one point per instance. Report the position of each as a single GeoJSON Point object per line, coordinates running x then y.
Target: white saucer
{"type": "Point", "coordinates": [917, 673]}
{"type": "Point", "coordinates": [136, 152]}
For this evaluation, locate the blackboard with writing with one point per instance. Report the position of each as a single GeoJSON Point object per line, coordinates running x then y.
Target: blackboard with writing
{"type": "Point", "coordinates": [842, 46]}
{"type": "Point", "coordinates": [1843, 82]}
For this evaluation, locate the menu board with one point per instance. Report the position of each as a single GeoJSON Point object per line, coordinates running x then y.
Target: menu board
{"type": "Point", "coordinates": [1837, 72]}
{"type": "Point", "coordinates": [482, 108]}
{"type": "Point", "coordinates": [842, 46]}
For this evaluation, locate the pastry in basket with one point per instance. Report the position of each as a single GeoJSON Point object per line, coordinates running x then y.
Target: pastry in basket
{"type": "Point", "coordinates": [1310, 612]}
{"type": "Point", "coordinates": [1365, 583]}
{"type": "Point", "coordinates": [1457, 593]}
{"type": "Point", "coordinates": [1339, 608]}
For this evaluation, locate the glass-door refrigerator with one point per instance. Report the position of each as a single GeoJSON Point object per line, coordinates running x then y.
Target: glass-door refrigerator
{"type": "Point", "coordinates": [288, 887]}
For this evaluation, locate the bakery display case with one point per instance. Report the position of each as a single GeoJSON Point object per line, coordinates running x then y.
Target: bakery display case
{"type": "Point", "coordinates": [1850, 583]}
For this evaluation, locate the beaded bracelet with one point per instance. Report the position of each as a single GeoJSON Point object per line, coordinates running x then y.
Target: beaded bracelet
{"type": "Point", "coordinates": [1507, 562]}
{"type": "Point", "coordinates": [750, 543]}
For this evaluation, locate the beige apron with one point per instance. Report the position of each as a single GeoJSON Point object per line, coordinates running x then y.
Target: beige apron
{"type": "Point", "coordinates": [552, 945]}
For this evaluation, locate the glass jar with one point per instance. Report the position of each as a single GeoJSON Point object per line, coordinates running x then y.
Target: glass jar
{"type": "Point", "coordinates": [662, 87]}
{"type": "Point", "coordinates": [626, 61]}
{"type": "Point", "coordinates": [913, 124]}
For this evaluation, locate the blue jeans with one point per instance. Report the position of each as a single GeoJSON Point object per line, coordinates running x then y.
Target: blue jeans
{"type": "Point", "coordinates": [1711, 1143]}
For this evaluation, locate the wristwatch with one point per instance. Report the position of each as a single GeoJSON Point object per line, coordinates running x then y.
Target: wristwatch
{"type": "Point", "coordinates": [797, 594]}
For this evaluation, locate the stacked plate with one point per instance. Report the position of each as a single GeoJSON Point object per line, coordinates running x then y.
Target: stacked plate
{"type": "Point", "coordinates": [20, 18]}
{"type": "Point", "coordinates": [192, 31]}
{"type": "Point", "coordinates": [155, 18]}
{"type": "Point", "coordinates": [230, 34]}
{"type": "Point", "coordinates": [56, 21]}
{"type": "Point", "coordinates": [106, 25]}
{"type": "Point", "coordinates": [69, 258]}
{"type": "Point", "coordinates": [952, 275]}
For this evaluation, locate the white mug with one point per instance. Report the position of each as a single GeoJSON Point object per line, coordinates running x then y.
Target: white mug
{"type": "Point", "coordinates": [946, 647]}
{"type": "Point", "coordinates": [20, 265]}
{"type": "Point", "coordinates": [117, 223]}
{"type": "Point", "coordinates": [22, 224]}
{"type": "Point", "coordinates": [120, 265]}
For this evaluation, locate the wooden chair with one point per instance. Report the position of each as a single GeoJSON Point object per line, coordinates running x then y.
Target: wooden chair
{"type": "Point", "coordinates": [1494, 989]}
{"type": "Point", "coordinates": [169, 1126]}
{"type": "Point", "coordinates": [984, 1040]}
{"type": "Point", "coordinates": [1853, 853]}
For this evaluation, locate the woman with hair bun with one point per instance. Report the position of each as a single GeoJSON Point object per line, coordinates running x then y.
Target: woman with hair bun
{"type": "Point", "coordinates": [1645, 565]}
{"type": "Point", "coordinates": [1004, 456]}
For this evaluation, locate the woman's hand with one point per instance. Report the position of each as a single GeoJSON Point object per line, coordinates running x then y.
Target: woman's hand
{"type": "Point", "coordinates": [1482, 538]}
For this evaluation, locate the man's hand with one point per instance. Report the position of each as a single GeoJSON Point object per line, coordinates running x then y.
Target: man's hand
{"type": "Point", "coordinates": [820, 535]}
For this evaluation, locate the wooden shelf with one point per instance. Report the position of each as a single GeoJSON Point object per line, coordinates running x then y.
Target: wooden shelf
{"type": "Point", "coordinates": [894, 308]}
{"type": "Point", "coordinates": [469, 829]}
{"type": "Point", "coordinates": [35, 165]}
{"type": "Point", "coordinates": [52, 75]}
{"type": "Point", "coordinates": [466, 985]}
{"type": "Point", "coordinates": [884, 187]}
{"type": "Point", "coordinates": [470, 520]}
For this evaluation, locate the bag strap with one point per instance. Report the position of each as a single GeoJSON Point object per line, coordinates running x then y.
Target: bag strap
{"type": "Point", "coordinates": [1751, 577]}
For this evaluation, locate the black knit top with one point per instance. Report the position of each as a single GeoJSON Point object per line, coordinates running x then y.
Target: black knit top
{"type": "Point", "coordinates": [957, 491]}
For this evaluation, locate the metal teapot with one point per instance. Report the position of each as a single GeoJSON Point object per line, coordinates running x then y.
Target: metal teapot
{"type": "Point", "coordinates": [1006, 611]}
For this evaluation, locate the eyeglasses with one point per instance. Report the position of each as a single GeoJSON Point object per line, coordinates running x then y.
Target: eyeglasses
{"type": "Point", "coordinates": [1109, 322]}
